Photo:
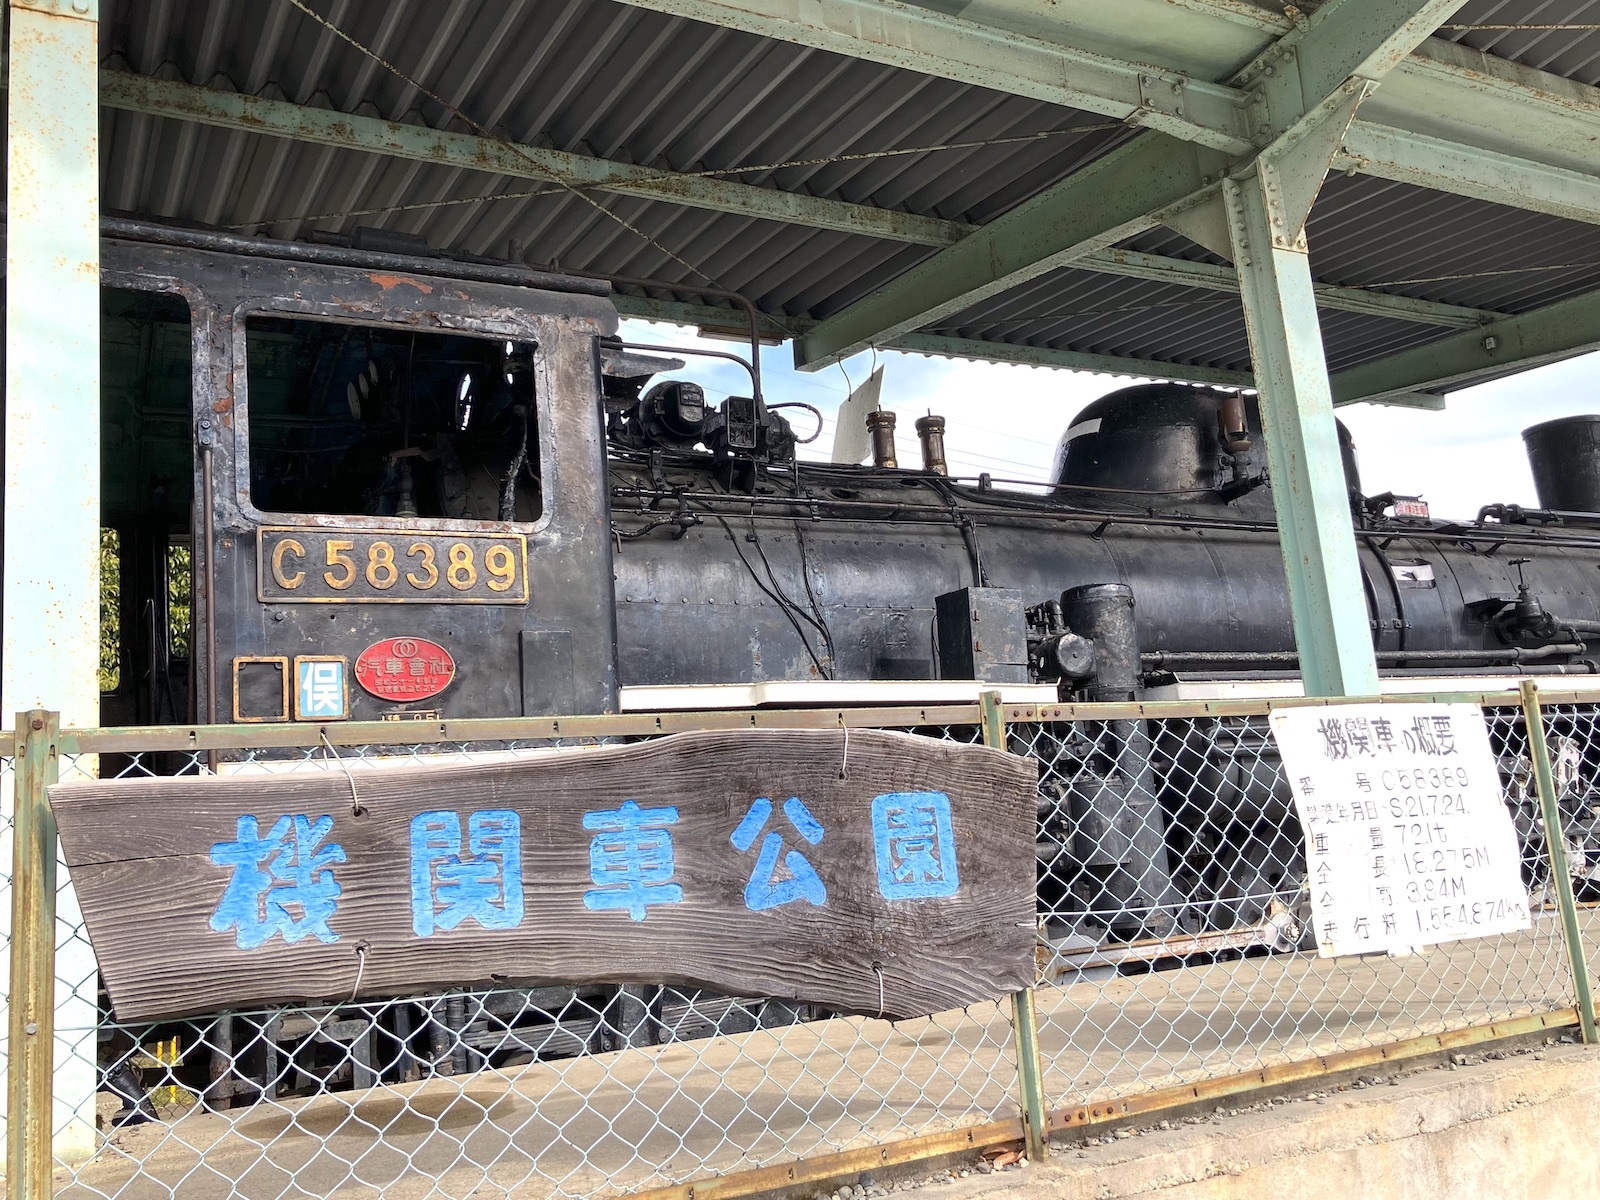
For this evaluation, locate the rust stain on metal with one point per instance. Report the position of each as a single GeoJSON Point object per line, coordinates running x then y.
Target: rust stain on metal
{"type": "Point", "coordinates": [386, 282]}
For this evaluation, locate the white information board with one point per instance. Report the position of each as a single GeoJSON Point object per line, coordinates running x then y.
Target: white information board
{"type": "Point", "coordinates": [1408, 840]}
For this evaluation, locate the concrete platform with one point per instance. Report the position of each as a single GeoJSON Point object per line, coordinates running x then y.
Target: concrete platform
{"type": "Point", "coordinates": [615, 1123]}
{"type": "Point", "coordinates": [1521, 1128]}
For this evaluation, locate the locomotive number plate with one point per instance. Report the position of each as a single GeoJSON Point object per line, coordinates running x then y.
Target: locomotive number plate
{"type": "Point", "coordinates": [296, 565]}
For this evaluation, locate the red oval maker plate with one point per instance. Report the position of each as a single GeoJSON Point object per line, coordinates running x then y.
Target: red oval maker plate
{"type": "Point", "coordinates": [405, 668]}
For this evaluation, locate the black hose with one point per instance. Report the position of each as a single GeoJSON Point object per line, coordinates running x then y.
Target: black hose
{"type": "Point", "coordinates": [816, 607]}
{"type": "Point", "coordinates": [784, 606]}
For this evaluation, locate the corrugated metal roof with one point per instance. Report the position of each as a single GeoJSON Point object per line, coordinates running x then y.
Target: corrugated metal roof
{"type": "Point", "coordinates": [1573, 53]}
{"type": "Point", "coordinates": [618, 82]}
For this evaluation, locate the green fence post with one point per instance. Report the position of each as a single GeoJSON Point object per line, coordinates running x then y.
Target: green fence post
{"type": "Point", "coordinates": [1030, 1070]}
{"type": "Point", "coordinates": [30, 1076]}
{"type": "Point", "coordinates": [1556, 840]}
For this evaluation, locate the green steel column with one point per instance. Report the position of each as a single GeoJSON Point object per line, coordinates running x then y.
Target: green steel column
{"type": "Point", "coordinates": [1560, 874]}
{"type": "Point", "coordinates": [30, 1074]}
{"type": "Point", "coordinates": [1024, 1022]}
{"type": "Point", "coordinates": [50, 639]}
{"type": "Point", "coordinates": [1319, 550]}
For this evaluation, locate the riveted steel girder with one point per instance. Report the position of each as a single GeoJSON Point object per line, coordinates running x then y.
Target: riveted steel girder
{"type": "Point", "coordinates": [277, 118]}
{"type": "Point", "coordinates": [1102, 204]}
{"type": "Point", "coordinates": [1528, 118]}
{"type": "Point", "coordinates": [326, 127]}
{"type": "Point", "coordinates": [1074, 360]}
{"type": "Point", "coordinates": [1546, 335]}
{"type": "Point", "coordinates": [1342, 40]}
{"type": "Point", "coordinates": [1300, 130]}
{"type": "Point", "coordinates": [1326, 597]}
{"type": "Point", "coordinates": [935, 43]}
{"type": "Point", "coordinates": [731, 323]}
{"type": "Point", "coordinates": [1470, 171]}
{"type": "Point", "coordinates": [1217, 278]}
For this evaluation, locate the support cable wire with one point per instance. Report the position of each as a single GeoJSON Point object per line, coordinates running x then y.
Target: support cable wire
{"type": "Point", "coordinates": [1463, 28]}
{"type": "Point", "coordinates": [811, 595]}
{"type": "Point", "coordinates": [713, 173]}
{"type": "Point", "coordinates": [1377, 288]}
{"type": "Point", "coordinates": [481, 131]}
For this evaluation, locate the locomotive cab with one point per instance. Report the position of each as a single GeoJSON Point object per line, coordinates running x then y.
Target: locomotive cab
{"type": "Point", "coordinates": [340, 486]}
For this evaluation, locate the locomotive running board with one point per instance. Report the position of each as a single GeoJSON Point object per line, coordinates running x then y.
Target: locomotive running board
{"type": "Point", "coordinates": [869, 693]}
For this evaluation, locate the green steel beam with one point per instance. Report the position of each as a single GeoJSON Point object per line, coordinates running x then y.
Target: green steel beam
{"type": "Point", "coordinates": [1074, 360]}
{"type": "Point", "coordinates": [1212, 277]}
{"type": "Point", "coordinates": [1308, 87]}
{"type": "Point", "coordinates": [1532, 339]}
{"type": "Point", "coordinates": [324, 127]}
{"type": "Point", "coordinates": [1450, 92]}
{"type": "Point", "coordinates": [731, 323]}
{"type": "Point", "coordinates": [1105, 202]}
{"type": "Point", "coordinates": [1326, 598]}
{"type": "Point", "coordinates": [1131, 264]}
{"type": "Point", "coordinates": [1350, 39]}
{"type": "Point", "coordinates": [1490, 111]}
{"type": "Point", "coordinates": [709, 317]}
{"type": "Point", "coordinates": [1088, 212]}
{"type": "Point", "coordinates": [935, 43]}
{"type": "Point", "coordinates": [279, 118]}
{"type": "Point", "coordinates": [1468, 171]}
{"type": "Point", "coordinates": [1427, 401]}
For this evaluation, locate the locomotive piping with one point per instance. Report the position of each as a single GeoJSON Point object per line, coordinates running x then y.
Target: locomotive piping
{"type": "Point", "coordinates": [208, 523]}
{"type": "Point", "coordinates": [752, 314]}
{"type": "Point", "coordinates": [1159, 659]}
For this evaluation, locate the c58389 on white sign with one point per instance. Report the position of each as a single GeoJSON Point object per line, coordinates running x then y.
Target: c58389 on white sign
{"type": "Point", "coordinates": [1408, 838]}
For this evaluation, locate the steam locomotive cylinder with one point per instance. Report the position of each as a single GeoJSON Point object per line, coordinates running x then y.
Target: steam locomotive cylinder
{"type": "Point", "coordinates": [1119, 829]}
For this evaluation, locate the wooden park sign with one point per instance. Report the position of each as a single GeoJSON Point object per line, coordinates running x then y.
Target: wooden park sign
{"type": "Point", "coordinates": [881, 873]}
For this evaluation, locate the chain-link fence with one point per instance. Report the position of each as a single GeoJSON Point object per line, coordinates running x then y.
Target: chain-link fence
{"type": "Point", "coordinates": [1173, 950]}
{"type": "Point", "coordinates": [1179, 948]}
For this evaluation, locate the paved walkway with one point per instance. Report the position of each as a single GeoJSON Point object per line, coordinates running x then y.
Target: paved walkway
{"type": "Point", "coordinates": [615, 1123]}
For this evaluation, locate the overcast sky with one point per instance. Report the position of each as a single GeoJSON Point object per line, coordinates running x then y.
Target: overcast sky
{"type": "Point", "coordinates": [1006, 419]}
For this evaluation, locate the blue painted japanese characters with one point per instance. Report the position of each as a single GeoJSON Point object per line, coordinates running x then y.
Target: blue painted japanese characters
{"type": "Point", "coordinates": [468, 867]}
{"type": "Point", "coordinates": [915, 845]}
{"type": "Point", "coordinates": [286, 872]}
{"type": "Point", "coordinates": [630, 859]}
{"type": "Point", "coordinates": [765, 890]}
{"type": "Point", "coordinates": [486, 884]}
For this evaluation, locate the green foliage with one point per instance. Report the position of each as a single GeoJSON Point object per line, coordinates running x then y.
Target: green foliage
{"type": "Point", "coordinates": [110, 610]}
{"type": "Point", "coordinates": [180, 596]}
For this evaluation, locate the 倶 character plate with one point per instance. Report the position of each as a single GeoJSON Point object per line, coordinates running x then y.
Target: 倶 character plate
{"type": "Point", "coordinates": [887, 874]}
{"type": "Point", "coordinates": [304, 565]}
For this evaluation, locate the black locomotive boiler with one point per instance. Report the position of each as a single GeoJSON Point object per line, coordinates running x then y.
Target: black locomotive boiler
{"type": "Point", "coordinates": [344, 482]}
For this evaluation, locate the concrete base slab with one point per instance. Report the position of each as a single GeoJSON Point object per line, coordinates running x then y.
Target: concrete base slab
{"type": "Point", "coordinates": [1521, 1127]}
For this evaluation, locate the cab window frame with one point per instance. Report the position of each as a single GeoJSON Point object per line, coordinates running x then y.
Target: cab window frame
{"type": "Point", "coordinates": [527, 331]}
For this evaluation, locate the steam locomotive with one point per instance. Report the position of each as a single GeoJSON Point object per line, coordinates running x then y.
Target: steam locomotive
{"type": "Point", "coordinates": [417, 486]}
{"type": "Point", "coordinates": [390, 485]}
